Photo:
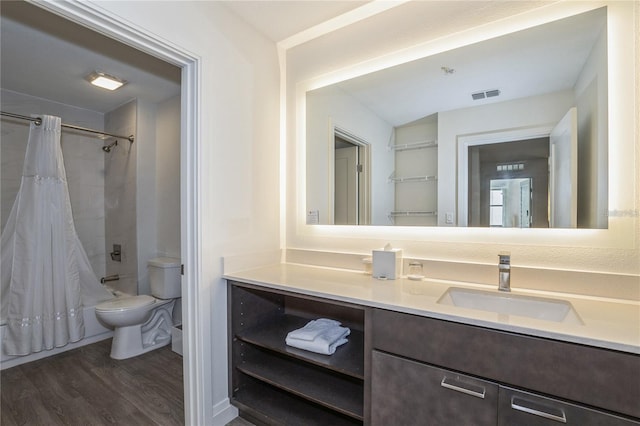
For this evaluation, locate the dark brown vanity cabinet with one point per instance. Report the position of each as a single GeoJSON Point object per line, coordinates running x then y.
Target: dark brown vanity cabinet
{"type": "Point", "coordinates": [406, 393]}
{"type": "Point", "coordinates": [401, 369]}
{"type": "Point", "coordinates": [272, 383]}
{"type": "Point", "coordinates": [517, 407]}
{"type": "Point", "coordinates": [432, 372]}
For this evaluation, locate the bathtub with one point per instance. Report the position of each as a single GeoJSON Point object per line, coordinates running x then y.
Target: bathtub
{"type": "Point", "coordinates": [93, 332]}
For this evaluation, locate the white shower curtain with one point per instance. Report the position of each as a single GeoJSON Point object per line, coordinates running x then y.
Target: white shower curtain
{"type": "Point", "coordinates": [46, 275]}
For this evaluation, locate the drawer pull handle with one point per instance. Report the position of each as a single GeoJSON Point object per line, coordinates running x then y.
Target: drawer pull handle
{"type": "Point", "coordinates": [536, 409]}
{"type": "Point", "coordinates": [466, 388]}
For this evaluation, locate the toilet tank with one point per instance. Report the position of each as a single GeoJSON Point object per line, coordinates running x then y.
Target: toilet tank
{"type": "Point", "coordinates": [164, 277]}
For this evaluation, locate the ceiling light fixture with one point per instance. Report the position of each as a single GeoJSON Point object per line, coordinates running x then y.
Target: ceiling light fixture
{"type": "Point", "coordinates": [105, 81]}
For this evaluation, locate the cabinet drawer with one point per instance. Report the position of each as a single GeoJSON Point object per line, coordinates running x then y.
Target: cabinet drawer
{"type": "Point", "coordinates": [598, 377]}
{"type": "Point", "coordinates": [523, 408]}
{"type": "Point", "coordinates": [406, 392]}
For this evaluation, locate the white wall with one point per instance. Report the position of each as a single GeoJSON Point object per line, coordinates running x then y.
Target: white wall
{"type": "Point", "coordinates": [403, 34]}
{"type": "Point", "coordinates": [238, 143]}
{"type": "Point", "coordinates": [591, 101]}
{"type": "Point", "coordinates": [83, 159]}
{"type": "Point", "coordinates": [329, 108]}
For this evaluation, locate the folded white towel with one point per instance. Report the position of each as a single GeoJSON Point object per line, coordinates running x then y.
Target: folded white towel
{"type": "Point", "coordinates": [313, 329]}
{"type": "Point", "coordinates": [324, 343]}
{"type": "Point", "coordinates": [318, 347]}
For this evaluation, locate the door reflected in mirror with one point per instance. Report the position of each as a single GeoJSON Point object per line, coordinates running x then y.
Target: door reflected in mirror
{"type": "Point", "coordinates": [500, 168]}
{"type": "Point", "coordinates": [510, 203]}
{"type": "Point", "coordinates": [351, 180]}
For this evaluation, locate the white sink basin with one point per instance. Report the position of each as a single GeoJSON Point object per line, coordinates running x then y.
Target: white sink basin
{"type": "Point", "coordinates": [511, 304]}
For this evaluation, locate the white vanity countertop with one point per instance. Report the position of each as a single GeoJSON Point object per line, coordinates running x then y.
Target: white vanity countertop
{"type": "Point", "coordinates": [607, 323]}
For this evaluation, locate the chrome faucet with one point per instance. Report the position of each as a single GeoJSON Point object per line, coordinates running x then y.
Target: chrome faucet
{"type": "Point", "coordinates": [504, 272]}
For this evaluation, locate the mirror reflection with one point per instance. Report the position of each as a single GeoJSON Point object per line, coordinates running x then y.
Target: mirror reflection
{"type": "Point", "coordinates": [510, 203]}
{"type": "Point", "coordinates": [520, 119]}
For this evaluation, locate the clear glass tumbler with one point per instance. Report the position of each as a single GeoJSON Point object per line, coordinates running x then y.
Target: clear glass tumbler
{"type": "Point", "coordinates": [415, 270]}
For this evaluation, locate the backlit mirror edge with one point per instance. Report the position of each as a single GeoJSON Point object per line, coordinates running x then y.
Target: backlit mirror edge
{"type": "Point", "coordinates": [623, 209]}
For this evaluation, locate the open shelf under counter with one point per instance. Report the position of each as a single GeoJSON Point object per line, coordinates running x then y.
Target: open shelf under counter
{"type": "Point", "coordinates": [348, 358]}
{"type": "Point", "coordinates": [262, 403]}
{"type": "Point", "coordinates": [339, 393]}
{"type": "Point", "coordinates": [280, 384]}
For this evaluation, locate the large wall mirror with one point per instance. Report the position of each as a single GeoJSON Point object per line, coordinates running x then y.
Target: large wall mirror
{"type": "Point", "coordinates": [507, 132]}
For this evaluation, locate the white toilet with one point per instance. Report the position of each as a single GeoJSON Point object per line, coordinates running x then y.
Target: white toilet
{"type": "Point", "coordinates": [143, 323]}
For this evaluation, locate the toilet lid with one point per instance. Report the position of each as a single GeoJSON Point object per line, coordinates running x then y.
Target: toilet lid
{"type": "Point", "coordinates": [126, 303]}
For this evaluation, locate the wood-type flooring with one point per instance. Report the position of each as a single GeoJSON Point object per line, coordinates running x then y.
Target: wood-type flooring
{"type": "Point", "coordinates": [85, 386]}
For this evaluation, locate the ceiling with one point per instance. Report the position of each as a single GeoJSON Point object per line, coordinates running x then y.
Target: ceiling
{"type": "Point", "coordinates": [279, 20]}
{"type": "Point", "coordinates": [48, 56]}
{"type": "Point", "coordinates": [540, 60]}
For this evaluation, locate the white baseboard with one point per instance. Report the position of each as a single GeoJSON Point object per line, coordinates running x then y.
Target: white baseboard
{"type": "Point", "coordinates": [223, 413]}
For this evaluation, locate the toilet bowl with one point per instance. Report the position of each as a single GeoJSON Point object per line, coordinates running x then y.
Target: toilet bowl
{"type": "Point", "coordinates": [143, 323]}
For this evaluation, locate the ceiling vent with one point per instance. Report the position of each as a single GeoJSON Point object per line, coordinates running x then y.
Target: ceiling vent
{"type": "Point", "coordinates": [486, 94]}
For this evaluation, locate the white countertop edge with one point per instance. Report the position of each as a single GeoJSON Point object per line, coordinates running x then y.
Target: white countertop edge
{"type": "Point", "coordinates": [564, 337]}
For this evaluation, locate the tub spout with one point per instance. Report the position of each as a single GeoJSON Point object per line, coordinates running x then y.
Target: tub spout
{"type": "Point", "coordinates": [108, 278]}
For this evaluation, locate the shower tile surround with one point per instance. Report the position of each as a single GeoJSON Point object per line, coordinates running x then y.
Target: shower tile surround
{"type": "Point", "coordinates": [84, 164]}
{"type": "Point", "coordinates": [102, 186]}
{"type": "Point", "coordinates": [120, 199]}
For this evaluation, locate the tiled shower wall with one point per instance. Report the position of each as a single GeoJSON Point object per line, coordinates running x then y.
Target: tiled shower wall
{"type": "Point", "coordinates": [120, 199]}
{"type": "Point", "coordinates": [158, 183]}
{"type": "Point", "coordinates": [84, 164]}
{"type": "Point", "coordinates": [168, 177]}
{"type": "Point", "coordinates": [109, 191]}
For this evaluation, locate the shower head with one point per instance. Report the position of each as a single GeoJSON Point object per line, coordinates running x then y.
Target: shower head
{"type": "Point", "coordinates": [107, 148]}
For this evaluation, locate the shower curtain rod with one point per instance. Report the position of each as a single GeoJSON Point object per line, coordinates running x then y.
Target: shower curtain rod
{"type": "Point", "coordinates": [38, 121]}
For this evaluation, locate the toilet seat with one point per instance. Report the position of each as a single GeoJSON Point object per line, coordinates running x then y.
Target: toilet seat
{"type": "Point", "coordinates": [126, 303]}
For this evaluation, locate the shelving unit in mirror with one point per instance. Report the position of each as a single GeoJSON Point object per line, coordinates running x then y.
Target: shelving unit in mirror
{"type": "Point", "coordinates": [416, 174]}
